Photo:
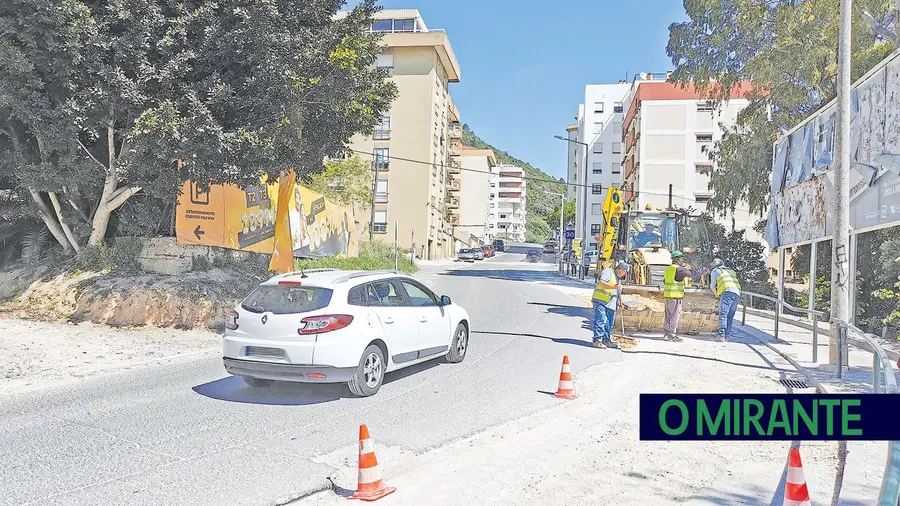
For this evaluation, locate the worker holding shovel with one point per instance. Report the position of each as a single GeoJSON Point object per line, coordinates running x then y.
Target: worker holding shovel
{"type": "Point", "coordinates": [606, 300]}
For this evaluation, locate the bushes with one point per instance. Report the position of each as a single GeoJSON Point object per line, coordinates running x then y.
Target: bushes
{"type": "Point", "coordinates": [373, 256]}
{"type": "Point", "coordinates": [120, 256]}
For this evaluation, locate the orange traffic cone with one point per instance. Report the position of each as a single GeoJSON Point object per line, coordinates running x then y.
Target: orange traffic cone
{"type": "Point", "coordinates": [370, 487]}
{"type": "Point", "coordinates": [795, 491]}
{"type": "Point", "coordinates": [566, 388]}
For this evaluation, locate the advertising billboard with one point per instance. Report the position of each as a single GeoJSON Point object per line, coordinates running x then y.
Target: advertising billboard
{"type": "Point", "coordinates": [802, 180]}
{"type": "Point", "coordinates": [243, 219]}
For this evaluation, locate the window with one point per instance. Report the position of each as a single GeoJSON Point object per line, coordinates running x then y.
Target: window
{"type": "Point", "coordinates": [595, 228]}
{"type": "Point", "coordinates": [383, 293]}
{"type": "Point", "coordinates": [379, 225]}
{"type": "Point", "coordinates": [598, 148]}
{"type": "Point", "coordinates": [597, 209]}
{"type": "Point", "coordinates": [598, 107]}
{"type": "Point", "coordinates": [492, 205]}
{"type": "Point", "coordinates": [286, 299]}
{"type": "Point", "coordinates": [385, 61]}
{"type": "Point", "coordinates": [704, 106]}
{"type": "Point", "coordinates": [618, 108]}
{"type": "Point", "coordinates": [597, 189]}
{"type": "Point", "coordinates": [598, 168]}
{"type": "Point", "coordinates": [404, 25]}
{"type": "Point", "coordinates": [702, 199]}
{"type": "Point", "coordinates": [704, 137]}
{"type": "Point", "coordinates": [617, 127]}
{"type": "Point", "coordinates": [383, 25]}
{"type": "Point", "coordinates": [702, 168]}
{"type": "Point", "coordinates": [419, 295]}
{"type": "Point", "coordinates": [383, 129]}
{"type": "Point", "coordinates": [381, 191]}
{"type": "Point", "coordinates": [357, 296]}
{"type": "Point", "coordinates": [382, 158]}
{"type": "Point", "coordinates": [503, 216]}
{"type": "Point", "coordinates": [617, 148]}
{"type": "Point", "coordinates": [598, 127]}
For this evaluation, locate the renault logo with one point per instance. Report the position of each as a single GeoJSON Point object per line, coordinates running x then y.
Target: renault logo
{"type": "Point", "coordinates": [265, 318]}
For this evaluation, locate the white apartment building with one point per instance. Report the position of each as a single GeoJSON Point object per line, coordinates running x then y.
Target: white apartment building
{"type": "Point", "coordinates": [669, 130]}
{"type": "Point", "coordinates": [507, 203]}
{"type": "Point", "coordinates": [599, 126]}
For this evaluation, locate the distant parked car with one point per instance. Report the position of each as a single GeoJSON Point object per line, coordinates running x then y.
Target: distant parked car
{"type": "Point", "coordinates": [479, 253]}
{"type": "Point", "coordinates": [533, 255]}
{"type": "Point", "coordinates": [488, 251]}
{"type": "Point", "coordinates": [466, 255]}
{"type": "Point", "coordinates": [499, 245]}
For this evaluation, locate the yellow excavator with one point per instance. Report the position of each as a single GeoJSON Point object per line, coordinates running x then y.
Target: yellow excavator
{"type": "Point", "coordinates": [646, 240]}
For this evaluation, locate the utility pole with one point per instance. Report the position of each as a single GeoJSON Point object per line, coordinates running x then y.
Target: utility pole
{"type": "Point", "coordinates": [396, 245]}
{"type": "Point", "coordinates": [670, 198]}
{"type": "Point", "coordinates": [372, 204]}
{"type": "Point", "coordinates": [840, 205]}
{"type": "Point", "coordinates": [562, 208]}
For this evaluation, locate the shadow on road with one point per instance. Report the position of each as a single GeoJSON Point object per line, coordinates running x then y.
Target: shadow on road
{"type": "Point", "coordinates": [281, 393]}
{"type": "Point", "coordinates": [561, 340]}
{"type": "Point", "coordinates": [708, 359]}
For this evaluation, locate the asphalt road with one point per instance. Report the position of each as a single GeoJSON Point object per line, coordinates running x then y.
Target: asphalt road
{"type": "Point", "coordinates": [186, 433]}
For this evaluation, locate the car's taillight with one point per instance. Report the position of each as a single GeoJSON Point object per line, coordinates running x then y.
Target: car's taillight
{"type": "Point", "coordinates": [231, 318]}
{"type": "Point", "coordinates": [325, 323]}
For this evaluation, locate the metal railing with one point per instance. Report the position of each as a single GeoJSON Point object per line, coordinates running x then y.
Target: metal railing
{"type": "Point", "coordinates": [883, 382]}
{"type": "Point", "coordinates": [779, 305]}
{"type": "Point", "coordinates": [883, 379]}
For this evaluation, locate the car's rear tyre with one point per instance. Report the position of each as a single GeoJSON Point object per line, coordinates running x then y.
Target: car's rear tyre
{"type": "Point", "coordinates": [459, 345]}
{"type": "Point", "coordinates": [370, 373]}
{"type": "Point", "coordinates": [257, 382]}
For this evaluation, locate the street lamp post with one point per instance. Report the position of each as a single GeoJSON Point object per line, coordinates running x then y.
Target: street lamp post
{"type": "Point", "coordinates": [584, 212]}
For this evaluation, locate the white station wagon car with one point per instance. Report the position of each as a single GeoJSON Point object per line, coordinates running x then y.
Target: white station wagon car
{"type": "Point", "coordinates": [331, 326]}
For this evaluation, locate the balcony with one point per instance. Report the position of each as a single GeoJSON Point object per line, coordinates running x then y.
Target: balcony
{"type": "Point", "coordinates": [382, 165]}
{"type": "Point", "coordinates": [379, 228]}
{"type": "Point", "coordinates": [453, 219]}
{"type": "Point", "coordinates": [381, 134]}
{"type": "Point", "coordinates": [381, 198]}
{"type": "Point", "coordinates": [455, 167]}
{"type": "Point", "coordinates": [453, 185]}
{"type": "Point", "coordinates": [455, 149]}
{"type": "Point", "coordinates": [452, 203]}
{"type": "Point", "coordinates": [456, 131]}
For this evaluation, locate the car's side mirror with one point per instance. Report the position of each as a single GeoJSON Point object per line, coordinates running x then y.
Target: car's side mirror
{"type": "Point", "coordinates": [445, 301]}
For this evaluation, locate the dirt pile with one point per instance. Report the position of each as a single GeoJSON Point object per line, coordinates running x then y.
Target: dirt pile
{"type": "Point", "coordinates": [191, 300]}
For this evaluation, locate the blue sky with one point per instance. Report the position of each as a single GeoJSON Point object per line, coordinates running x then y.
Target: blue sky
{"type": "Point", "coordinates": [525, 63]}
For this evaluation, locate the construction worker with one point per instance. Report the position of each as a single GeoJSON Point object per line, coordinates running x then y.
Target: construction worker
{"type": "Point", "coordinates": [606, 301]}
{"type": "Point", "coordinates": [723, 281]}
{"type": "Point", "coordinates": [673, 292]}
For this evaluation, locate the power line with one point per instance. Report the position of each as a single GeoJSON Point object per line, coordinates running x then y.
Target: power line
{"type": "Point", "coordinates": [529, 178]}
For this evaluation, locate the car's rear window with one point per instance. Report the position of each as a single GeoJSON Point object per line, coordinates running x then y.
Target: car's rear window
{"type": "Point", "coordinates": [465, 251]}
{"type": "Point", "coordinates": [287, 299]}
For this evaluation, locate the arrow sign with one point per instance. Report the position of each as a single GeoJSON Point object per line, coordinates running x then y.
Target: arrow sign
{"type": "Point", "coordinates": [198, 232]}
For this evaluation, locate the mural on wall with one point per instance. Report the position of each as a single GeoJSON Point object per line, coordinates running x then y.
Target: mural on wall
{"type": "Point", "coordinates": [809, 152]}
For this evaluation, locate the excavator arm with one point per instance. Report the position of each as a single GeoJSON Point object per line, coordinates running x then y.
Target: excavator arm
{"type": "Point", "coordinates": [613, 207]}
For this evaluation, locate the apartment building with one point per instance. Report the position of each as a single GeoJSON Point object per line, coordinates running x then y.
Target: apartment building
{"type": "Point", "coordinates": [507, 203]}
{"type": "Point", "coordinates": [411, 146]}
{"type": "Point", "coordinates": [599, 131]}
{"type": "Point", "coordinates": [470, 194]}
{"type": "Point", "coordinates": [669, 131]}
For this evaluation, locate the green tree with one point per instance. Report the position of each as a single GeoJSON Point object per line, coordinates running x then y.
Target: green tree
{"type": "Point", "coordinates": [568, 215]}
{"type": "Point", "coordinates": [100, 99]}
{"type": "Point", "coordinates": [788, 50]}
{"type": "Point", "coordinates": [346, 181]}
{"type": "Point", "coordinates": [536, 230]}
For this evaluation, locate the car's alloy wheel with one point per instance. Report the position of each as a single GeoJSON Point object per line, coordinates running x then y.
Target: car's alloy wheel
{"type": "Point", "coordinates": [370, 372]}
{"type": "Point", "coordinates": [459, 346]}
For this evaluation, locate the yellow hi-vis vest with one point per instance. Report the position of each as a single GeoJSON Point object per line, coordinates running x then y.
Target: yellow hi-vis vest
{"type": "Point", "coordinates": [602, 294]}
{"type": "Point", "coordinates": [727, 279]}
{"type": "Point", "coordinates": [672, 289]}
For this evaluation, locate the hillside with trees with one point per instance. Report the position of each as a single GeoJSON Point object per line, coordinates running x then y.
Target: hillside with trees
{"type": "Point", "coordinates": [539, 204]}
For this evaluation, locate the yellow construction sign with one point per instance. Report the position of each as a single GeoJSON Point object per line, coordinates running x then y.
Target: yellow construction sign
{"type": "Point", "coordinates": [244, 219]}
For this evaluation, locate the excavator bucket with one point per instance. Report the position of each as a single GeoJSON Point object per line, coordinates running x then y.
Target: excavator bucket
{"type": "Point", "coordinates": [643, 309]}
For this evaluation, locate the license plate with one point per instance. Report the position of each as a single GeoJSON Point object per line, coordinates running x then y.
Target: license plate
{"type": "Point", "coordinates": [261, 352]}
